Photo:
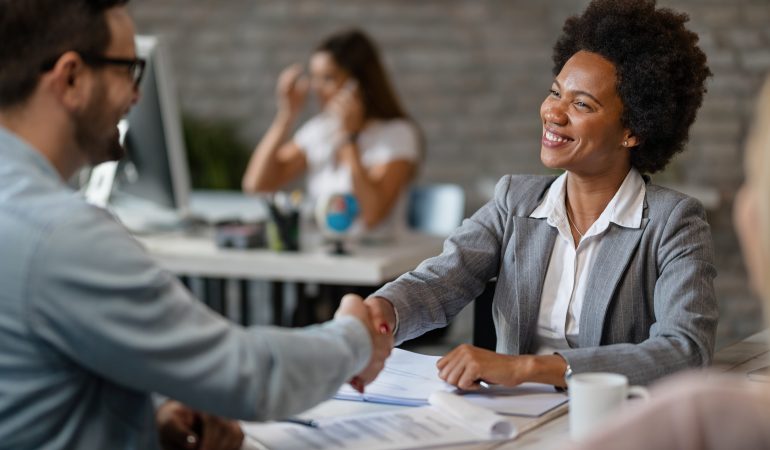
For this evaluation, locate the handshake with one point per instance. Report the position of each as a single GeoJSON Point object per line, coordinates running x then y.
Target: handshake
{"type": "Point", "coordinates": [379, 317]}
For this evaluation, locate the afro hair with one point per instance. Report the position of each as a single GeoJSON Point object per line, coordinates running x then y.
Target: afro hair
{"type": "Point", "coordinates": [661, 72]}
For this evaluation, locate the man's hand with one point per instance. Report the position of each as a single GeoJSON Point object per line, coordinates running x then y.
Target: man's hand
{"type": "Point", "coordinates": [182, 428]}
{"type": "Point", "coordinates": [220, 434]}
{"type": "Point", "coordinates": [382, 339]}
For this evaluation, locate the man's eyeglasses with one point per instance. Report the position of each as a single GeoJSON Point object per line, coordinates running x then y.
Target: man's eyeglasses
{"type": "Point", "coordinates": [135, 66]}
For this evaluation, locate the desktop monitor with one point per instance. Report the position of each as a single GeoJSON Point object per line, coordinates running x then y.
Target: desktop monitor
{"type": "Point", "coordinates": [154, 173]}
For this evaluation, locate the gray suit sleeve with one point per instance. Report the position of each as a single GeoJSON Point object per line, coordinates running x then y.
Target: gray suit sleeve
{"type": "Point", "coordinates": [685, 306]}
{"type": "Point", "coordinates": [95, 297]}
{"type": "Point", "coordinates": [438, 289]}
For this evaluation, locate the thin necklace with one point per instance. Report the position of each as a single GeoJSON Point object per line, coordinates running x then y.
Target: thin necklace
{"type": "Point", "coordinates": [573, 224]}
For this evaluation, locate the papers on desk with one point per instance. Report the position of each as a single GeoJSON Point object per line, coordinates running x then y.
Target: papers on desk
{"type": "Point", "coordinates": [409, 378]}
{"type": "Point", "coordinates": [526, 399]}
{"type": "Point", "coordinates": [449, 417]}
{"type": "Point", "coordinates": [449, 420]}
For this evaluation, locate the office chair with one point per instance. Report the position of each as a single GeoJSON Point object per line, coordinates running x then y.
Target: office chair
{"type": "Point", "coordinates": [436, 209]}
{"type": "Point", "coordinates": [484, 334]}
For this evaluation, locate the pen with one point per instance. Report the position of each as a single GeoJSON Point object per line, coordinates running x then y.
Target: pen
{"type": "Point", "coordinates": [296, 420]}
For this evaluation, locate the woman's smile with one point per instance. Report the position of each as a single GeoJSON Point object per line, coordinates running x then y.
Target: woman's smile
{"type": "Point", "coordinates": [553, 140]}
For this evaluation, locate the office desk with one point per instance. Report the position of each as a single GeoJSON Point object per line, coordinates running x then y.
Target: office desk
{"type": "Point", "coordinates": [365, 265]}
{"type": "Point", "coordinates": [223, 277]}
{"type": "Point", "coordinates": [744, 356]}
{"type": "Point", "coordinates": [740, 358]}
{"type": "Point", "coordinates": [197, 254]}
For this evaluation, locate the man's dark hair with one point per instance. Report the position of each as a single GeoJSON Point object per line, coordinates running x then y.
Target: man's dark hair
{"type": "Point", "coordinates": [661, 71]}
{"type": "Point", "coordinates": [35, 32]}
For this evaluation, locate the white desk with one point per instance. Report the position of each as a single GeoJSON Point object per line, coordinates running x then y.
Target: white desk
{"type": "Point", "coordinates": [740, 358]}
{"type": "Point", "coordinates": [197, 255]}
{"type": "Point", "coordinates": [365, 266]}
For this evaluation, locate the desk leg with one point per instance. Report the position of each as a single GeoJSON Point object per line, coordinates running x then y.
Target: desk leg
{"type": "Point", "coordinates": [215, 295]}
{"type": "Point", "coordinates": [245, 303]}
{"type": "Point", "coordinates": [304, 313]}
{"type": "Point", "coordinates": [276, 288]}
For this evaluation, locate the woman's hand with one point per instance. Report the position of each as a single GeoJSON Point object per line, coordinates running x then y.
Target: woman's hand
{"type": "Point", "coordinates": [348, 106]}
{"type": "Point", "coordinates": [291, 91]}
{"type": "Point", "coordinates": [381, 335]}
{"type": "Point", "coordinates": [382, 312]}
{"type": "Point", "coordinates": [466, 365]}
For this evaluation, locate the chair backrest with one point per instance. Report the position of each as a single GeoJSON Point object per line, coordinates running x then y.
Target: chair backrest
{"type": "Point", "coordinates": [436, 209]}
{"type": "Point", "coordinates": [484, 335]}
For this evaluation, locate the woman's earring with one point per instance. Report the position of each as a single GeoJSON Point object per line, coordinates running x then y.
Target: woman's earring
{"type": "Point", "coordinates": [625, 143]}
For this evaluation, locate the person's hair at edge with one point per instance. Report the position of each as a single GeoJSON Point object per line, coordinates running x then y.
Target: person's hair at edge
{"type": "Point", "coordinates": [757, 167]}
{"type": "Point", "coordinates": [36, 32]}
{"type": "Point", "coordinates": [355, 52]}
{"type": "Point", "coordinates": [661, 71]}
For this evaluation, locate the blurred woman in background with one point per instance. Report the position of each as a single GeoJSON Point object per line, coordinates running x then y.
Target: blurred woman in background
{"type": "Point", "coordinates": [362, 142]}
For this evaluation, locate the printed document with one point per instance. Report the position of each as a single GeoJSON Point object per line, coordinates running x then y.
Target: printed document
{"type": "Point", "coordinates": [448, 420]}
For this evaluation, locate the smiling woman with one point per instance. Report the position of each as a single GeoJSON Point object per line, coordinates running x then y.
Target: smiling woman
{"type": "Point", "coordinates": [582, 131]}
{"type": "Point", "coordinates": [597, 269]}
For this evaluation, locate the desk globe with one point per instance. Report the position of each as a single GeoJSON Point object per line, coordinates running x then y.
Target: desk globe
{"type": "Point", "coordinates": [335, 215]}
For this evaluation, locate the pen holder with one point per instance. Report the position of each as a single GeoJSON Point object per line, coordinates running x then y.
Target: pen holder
{"type": "Point", "coordinates": [283, 231]}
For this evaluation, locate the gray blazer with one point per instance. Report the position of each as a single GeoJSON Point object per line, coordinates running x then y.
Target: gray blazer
{"type": "Point", "coordinates": [649, 309]}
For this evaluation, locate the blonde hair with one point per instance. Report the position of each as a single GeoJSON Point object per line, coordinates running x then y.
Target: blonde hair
{"type": "Point", "coordinates": [757, 166]}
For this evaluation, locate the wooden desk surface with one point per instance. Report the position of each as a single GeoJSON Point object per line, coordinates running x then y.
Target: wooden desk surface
{"type": "Point", "coordinates": [746, 355]}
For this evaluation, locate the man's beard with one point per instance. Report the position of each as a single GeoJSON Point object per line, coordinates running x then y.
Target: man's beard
{"type": "Point", "coordinates": [92, 135]}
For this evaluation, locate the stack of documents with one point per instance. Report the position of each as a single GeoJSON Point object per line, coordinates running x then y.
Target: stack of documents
{"type": "Point", "coordinates": [409, 378]}
{"type": "Point", "coordinates": [449, 420]}
{"type": "Point", "coordinates": [447, 416]}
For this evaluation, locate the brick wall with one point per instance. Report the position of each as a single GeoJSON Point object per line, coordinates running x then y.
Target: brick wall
{"type": "Point", "coordinates": [473, 73]}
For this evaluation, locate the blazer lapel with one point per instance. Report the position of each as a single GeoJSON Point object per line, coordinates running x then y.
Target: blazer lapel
{"type": "Point", "coordinates": [612, 260]}
{"type": "Point", "coordinates": [533, 240]}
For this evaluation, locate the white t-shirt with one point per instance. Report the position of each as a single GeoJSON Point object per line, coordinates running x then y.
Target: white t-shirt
{"type": "Point", "coordinates": [381, 142]}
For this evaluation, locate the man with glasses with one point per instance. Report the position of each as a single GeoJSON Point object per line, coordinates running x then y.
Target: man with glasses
{"type": "Point", "coordinates": [89, 325]}
{"type": "Point", "coordinates": [134, 66]}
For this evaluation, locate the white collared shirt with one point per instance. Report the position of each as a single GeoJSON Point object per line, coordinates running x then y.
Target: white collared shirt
{"type": "Point", "coordinates": [568, 271]}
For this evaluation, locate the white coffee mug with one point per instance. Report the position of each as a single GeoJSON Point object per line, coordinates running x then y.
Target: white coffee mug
{"type": "Point", "coordinates": [595, 396]}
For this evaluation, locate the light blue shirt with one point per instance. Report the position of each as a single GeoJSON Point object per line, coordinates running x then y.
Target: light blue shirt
{"type": "Point", "coordinates": [90, 326]}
